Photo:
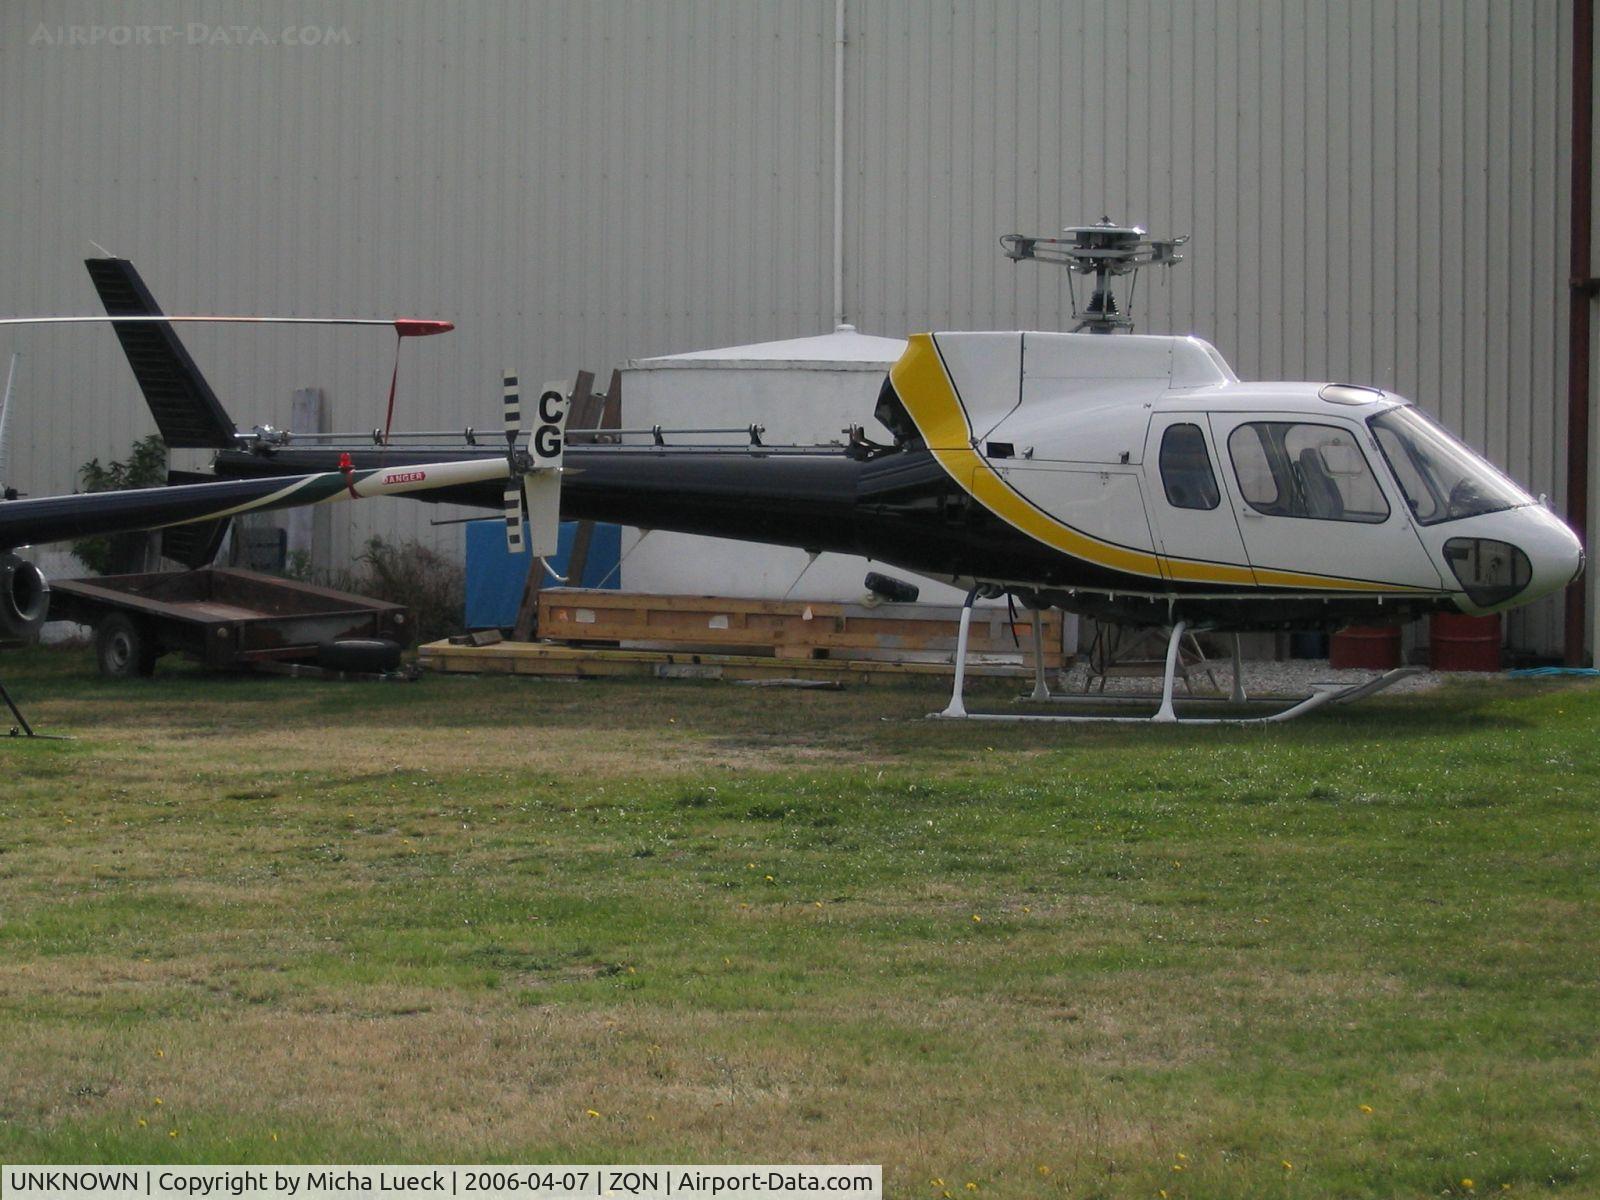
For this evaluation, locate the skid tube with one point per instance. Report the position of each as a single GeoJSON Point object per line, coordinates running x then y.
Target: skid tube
{"type": "Point", "coordinates": [1322, 694]}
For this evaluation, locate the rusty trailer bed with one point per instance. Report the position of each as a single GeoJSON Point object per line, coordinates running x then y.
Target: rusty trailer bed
{"type": "Point", "coordinates": [227, 617]}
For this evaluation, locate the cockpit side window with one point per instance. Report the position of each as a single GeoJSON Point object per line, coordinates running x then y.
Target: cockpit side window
{"type": "Point", "coordinates": [1186, 473]}
{"type": "Point", "coordinates": [1299, 469]}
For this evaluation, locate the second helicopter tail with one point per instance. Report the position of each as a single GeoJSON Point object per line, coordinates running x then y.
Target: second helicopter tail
{"type": "Point", "coordinates": [186, 410]}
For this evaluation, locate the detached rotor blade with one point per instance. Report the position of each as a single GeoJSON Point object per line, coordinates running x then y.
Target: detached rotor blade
{"type": "Point", "coordinates": [404, 326]}
{"type": "Point", "coordinates": [513, 493]}
{"type": "Point", "coordinates": [55, 518]}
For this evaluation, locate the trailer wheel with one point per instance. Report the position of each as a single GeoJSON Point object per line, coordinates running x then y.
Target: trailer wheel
{"type": "Point", "coordinates": [362, 656]}
{"type": "Point", "coordinates": [125, 648]}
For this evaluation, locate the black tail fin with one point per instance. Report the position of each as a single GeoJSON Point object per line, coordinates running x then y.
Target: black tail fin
{"type": "Point", "coordinates": [185, 408]}
{"type": "Point", "coordinates": [194, 545]}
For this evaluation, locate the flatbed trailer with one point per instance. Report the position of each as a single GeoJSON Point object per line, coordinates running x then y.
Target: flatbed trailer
{"type": "Point", "coordinates": [229, 618]}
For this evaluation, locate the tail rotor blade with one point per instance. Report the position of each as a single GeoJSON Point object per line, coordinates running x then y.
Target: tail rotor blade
{"type": "Point", "coordinates": [513, 405]}
{"type": "Point", "coordinates": [514, 544]}
{"type": "Point", "coordinates": [513, 494]}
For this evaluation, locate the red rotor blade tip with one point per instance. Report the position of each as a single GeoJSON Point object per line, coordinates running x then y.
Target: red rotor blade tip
{"type": "Point", "coordinates": [412, 327]}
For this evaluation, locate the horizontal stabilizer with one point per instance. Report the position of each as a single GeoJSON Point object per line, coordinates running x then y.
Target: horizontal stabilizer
{"type": "Point", "coordinates": [186, 410]}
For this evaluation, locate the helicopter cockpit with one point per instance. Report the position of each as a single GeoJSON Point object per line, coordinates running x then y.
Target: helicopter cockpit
{"type": "Point", "coordinates": [1440, 478]}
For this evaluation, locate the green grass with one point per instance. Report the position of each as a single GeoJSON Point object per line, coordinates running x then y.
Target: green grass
{"type": "Point", "coordinates": [449, 921]}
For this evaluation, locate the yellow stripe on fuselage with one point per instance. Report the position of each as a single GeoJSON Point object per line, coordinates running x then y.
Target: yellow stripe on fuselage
{"type": "Point", "coordinates": [929, 396]}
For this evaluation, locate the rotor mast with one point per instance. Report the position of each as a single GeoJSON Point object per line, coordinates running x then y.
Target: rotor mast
{"type": "Point", "coordinates": [1104, 250]}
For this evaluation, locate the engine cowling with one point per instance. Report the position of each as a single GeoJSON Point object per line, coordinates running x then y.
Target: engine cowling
{"type": "Point", "coordinates": [24, 600]}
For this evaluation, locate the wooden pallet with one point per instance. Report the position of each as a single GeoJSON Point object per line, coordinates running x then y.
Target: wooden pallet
{"type": "Point", "coordinates": [582, 662]}
{"type": "Point", "coordinates": [789, 629]}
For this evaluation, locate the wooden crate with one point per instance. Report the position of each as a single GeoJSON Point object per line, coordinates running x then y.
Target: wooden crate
{"type": "Point", "coordinates": [790, 629]}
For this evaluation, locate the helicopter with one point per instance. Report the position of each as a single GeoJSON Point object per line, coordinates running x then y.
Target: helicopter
{"type": "Point", "coordinates": [1130, 478]}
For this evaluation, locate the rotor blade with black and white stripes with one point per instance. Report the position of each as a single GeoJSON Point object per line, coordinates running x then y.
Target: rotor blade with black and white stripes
{"type": "Point", "coordinates": [513, 494]}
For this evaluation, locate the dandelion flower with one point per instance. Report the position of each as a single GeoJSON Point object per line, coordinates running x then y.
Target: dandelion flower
{"type": "Point", "coordinates": [1467, 1183]}
{"type": "Point", "coordinates": [769, 879]}
{"type": "Point", "coordinates": [976, 919]}
{"type": "Point", "coordinates": [1287, 1165]}
{"type": "Point", "coordinates": [971, 1187]}
{"type": "Point", "coordinates": [1182, 1157]}
{"type": "Point", "coordinates": [161, 1053]}
{"type": "Point", "coordinates": [159, 1100]}
{"type": "Point", "coordinates": [143, 1124]}
{"type": "Point", "coordinates": [1366, 1108]}
{"type": "Point", "coordinates": [172, 1133]}
{"type": "Point", "coordinates": [591, 1112]}
{"type": "Point", "coordinates": [1043, 1169]}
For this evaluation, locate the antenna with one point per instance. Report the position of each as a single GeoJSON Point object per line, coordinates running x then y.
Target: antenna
{"type": "Point", "coordinates": [1103, 250]}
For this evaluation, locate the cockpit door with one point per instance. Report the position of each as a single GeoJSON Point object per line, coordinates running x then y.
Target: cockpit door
{"type": "Point", "coordinates": [1315, 507]}
{"type": "Point", "coordinates": [1191, 512]}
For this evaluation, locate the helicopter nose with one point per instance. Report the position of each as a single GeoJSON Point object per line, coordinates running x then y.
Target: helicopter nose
{"type": "Point", "coordinates": [1513, 557]}
{"type": "Point", "coordinates": [1554, 552]}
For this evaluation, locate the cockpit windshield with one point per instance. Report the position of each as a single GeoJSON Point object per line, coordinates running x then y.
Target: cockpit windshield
{"type": "Point", "coordinates": [1442, 479]}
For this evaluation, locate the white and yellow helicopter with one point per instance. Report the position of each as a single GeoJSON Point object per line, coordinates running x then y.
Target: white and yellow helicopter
{"type": "Point", "coordinates": [1129, 478]}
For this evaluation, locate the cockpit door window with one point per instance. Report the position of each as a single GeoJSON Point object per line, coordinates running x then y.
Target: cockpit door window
{"type": "Point", "coordinates": [1300, 469]}
{"type": "Point", "coordinates": [1186, 473]}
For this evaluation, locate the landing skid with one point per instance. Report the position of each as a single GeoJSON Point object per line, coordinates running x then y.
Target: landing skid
{"type": "Point", "coordinates": [1322, 694]}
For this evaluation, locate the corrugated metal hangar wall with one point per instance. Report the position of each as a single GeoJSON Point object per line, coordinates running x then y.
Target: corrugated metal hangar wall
{"type": "Point", "coordinates": [1376, 191]}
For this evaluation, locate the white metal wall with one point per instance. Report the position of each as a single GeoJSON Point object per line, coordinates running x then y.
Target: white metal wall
{"type": "Point", "coordinates": [1377, 191]}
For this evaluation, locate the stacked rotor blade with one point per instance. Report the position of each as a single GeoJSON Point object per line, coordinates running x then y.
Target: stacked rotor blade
{"type": "Point", "coordinates": [513, 493]}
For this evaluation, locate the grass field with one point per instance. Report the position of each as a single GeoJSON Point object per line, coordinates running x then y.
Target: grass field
{"type": "Point", "coordinates": [475, 920]}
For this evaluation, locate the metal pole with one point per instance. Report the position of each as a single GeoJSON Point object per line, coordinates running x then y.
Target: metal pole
{"type": "Point", "coordinates": [22, 721]}
{"type": "Point", "coordinates": [838, 163]}
{"type": "Point", "coordinates": [1582, 291]}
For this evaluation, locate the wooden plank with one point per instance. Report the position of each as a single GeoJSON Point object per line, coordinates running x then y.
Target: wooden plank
{"type": "Point", "coordinates": [555, 661]}
{"type": "Point", "coordinates": [790, 629]}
